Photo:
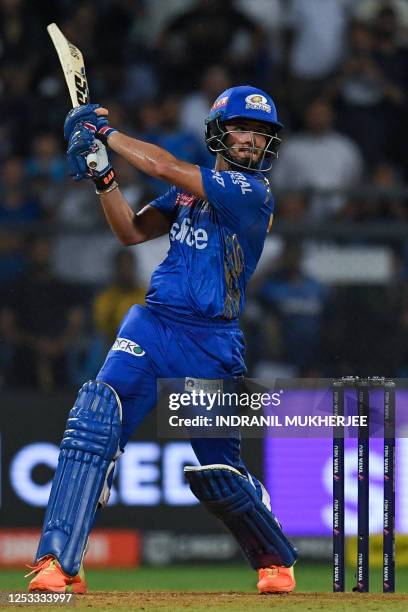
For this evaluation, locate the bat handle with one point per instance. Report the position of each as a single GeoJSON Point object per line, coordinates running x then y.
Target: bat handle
{"type": "Point", "coordinates": [92, 160]}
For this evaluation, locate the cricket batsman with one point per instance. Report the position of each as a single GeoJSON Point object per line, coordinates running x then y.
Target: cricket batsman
{"type": "Point", "coordinates": [217, 221]}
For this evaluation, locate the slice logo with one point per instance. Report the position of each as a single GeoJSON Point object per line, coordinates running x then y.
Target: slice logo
{"type": "Point", "coordinates": [185, 233]}
{"type": "Point", "coordinates": [128, 346]}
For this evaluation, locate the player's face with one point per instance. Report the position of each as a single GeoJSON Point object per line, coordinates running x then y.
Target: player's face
{"type": "Point", "coordinates": [247, 141]}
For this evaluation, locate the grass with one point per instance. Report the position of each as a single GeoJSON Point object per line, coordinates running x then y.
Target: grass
{"type": "Point", "coordinates": [235, 577]}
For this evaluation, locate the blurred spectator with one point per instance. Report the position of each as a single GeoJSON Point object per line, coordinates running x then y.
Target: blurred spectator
{"type": "Point", "coordinates": [358, 94]}
{"type": "Point", "coordinates": [115, 23]}
{"type": "Point", "coordinates": [181, 143]}
{"type": "Point", "coordinates": [315, 45]}
{"type": "Point", "coordinates": [12, 259]}
{"type": "Point", "coordinates": [40, 321]}
{"type": "Point", "coordinates": [319, 158]}
{"type": "Point", "coordinates": [46, 162]}
{"type": "Point", "coordinates": [200, 36]}
{"type": "Point", "coordinates": [137, 50]}
{"type": "Point", "coordinates": [392, 61]}
{"type": "Point", "coordinates": [19, 210]}
{"type": "Point", "coordinates": [18, 31]}
{"type": "Point", "coordinates": [123, 290]}
{"type": "Point", "coordinates": [361, 334]}
{"type": "Point", "coordinates": [369, 90]}
{"type": "Point", "coordinates": [382, 199]}
{"type": "Point", "coordinates": [270, 16]}
{"type": "Point", "coordinates": [16, 80]}
{"type": "Point", "coordinates": [292, 208]}
{"type": "Point", "coordinates": [366, 10]}
{"type": "Point", "coordinates": [148, 121]}
{"type": "Point", "coordinates": [196, 106]}
{"type": "Point", "coordinates": [299, 303]}
{"type": "Point", "coordinates": [171, 136]}
{"type": "Point", "coordinates": [392, 58]}
{"type": "Point", "coordinates": [17, 205]}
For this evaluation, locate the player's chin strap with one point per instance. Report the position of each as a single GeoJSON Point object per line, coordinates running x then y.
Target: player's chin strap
{"type": "Point", "coordinates": [233, 499]}
{"type": "Point", "coordinates": [81, 483]}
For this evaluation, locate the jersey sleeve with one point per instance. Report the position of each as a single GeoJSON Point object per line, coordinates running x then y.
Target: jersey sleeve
{"type": "Point", "coordinates": [239, 198]}
{"type": "Point", "coordinates": [167, 202]}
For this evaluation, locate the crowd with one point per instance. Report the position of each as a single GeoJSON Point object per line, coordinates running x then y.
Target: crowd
{"type": "Point", "coordinates": [338, 70]}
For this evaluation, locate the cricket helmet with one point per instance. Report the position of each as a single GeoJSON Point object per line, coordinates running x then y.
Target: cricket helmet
{"type": "Point", "coordinates": [249, 103]}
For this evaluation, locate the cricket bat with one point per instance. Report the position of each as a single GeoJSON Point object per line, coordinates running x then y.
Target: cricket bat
{"type": "Point", "coordinates": [73, 67]}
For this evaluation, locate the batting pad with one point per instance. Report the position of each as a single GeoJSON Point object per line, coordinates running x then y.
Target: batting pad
{"type": "Point", "coordinates": [229, 495]}
{"type": "Point", "coordinates": [88, 449]}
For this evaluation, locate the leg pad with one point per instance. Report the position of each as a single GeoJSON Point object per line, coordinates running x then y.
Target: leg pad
{"type": "Point", "coordinates": [89, 446]}
{"type": "Point", "coordinates": [231, 497]}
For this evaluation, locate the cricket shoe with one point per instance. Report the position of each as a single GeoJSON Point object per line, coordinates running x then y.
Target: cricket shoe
{"type": "Point", "coordinates": [50, 577]}
{"type": "Point", "coordinates": [276, 579]}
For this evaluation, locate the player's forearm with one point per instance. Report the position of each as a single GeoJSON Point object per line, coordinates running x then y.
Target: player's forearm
{"type": "Point", "coordinates": [144, 156]}
{"type": "Point", "coordinates": [158, 162]}
{"type": "Point", "coordinates": [120, 217]}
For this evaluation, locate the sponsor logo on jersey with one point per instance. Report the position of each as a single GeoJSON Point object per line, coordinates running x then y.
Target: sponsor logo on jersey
{"type": "Point", "coordinates": [185, 199]}
{"type": "Point", "coordinates": [240, 179]}
{"type": "Point", "coordinates": [128, 346]}
{"type": "Point", "coordinates": [217, 177]}
{"type": "Point", "coordinates": [237, 178]}
{"type": "Point", "coordinates": [220, 102]}
{"type": "Point", "coordinates": [257, 102]}
{"type": "Point", "coordinates": [185, 233]}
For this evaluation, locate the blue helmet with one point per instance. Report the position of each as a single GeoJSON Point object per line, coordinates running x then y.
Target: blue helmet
{"type": "Point", "coordinates": [243, 102]}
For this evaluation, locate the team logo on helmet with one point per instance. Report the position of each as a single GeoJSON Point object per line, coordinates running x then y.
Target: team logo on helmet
{"type": "Point", "coordinates": [257, 102]}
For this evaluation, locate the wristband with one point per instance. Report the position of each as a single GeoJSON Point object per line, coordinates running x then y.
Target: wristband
{"type": "Point", "coordinates": [104, 181]}
{"type": "Point", "coordinates": [111, 188]}
{"type": "Point", "coordinates": [104, 133]}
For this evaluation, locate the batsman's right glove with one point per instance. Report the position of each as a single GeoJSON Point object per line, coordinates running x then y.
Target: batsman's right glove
{"type": "Point", "coordinates": [81, 143]}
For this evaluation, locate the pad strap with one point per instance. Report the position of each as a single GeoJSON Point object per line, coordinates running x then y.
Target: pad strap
{"type": "Point", "coordinates": [230, 496]}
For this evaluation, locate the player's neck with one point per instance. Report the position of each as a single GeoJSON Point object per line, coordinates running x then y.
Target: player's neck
{"type": "Point", "coordinates": [221, 164]}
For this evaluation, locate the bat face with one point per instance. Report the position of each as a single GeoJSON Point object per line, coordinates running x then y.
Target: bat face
{"type": "Point", "coordinates": [81, 84]}
{"type": "Point", "coordinates": [73, 66]}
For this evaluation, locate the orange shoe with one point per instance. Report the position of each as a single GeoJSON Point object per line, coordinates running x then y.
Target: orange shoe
{"type": "Point", "coordinates": [276, 579]}
{"type": "Point", "coordinates": [50, 577]}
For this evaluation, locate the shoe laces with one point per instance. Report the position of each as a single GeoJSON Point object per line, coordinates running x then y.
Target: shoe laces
{"type": "Point", "coordinates": [273, 570]}
{"type": "Point", "coordinates": [39, 566]}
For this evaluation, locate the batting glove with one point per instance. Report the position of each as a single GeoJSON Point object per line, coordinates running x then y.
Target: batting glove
{"type": "Point", "coordinates": [79, 115]}
{"type": "Point", "coordinates": [81, 144]}
{"type": "Point", "coordinates": [86, 115]}
{"type": "Point", "coordinates": [101, 128]}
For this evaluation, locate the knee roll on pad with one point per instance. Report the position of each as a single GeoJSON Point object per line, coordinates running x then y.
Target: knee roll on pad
{"type": "Point", "coordinates": [88, 450]}
{"type": "Point", "coordinates": [231, 497]}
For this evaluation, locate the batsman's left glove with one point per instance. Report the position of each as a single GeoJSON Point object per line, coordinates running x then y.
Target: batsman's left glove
{"type": "Point", "coordinates": [81, 143]}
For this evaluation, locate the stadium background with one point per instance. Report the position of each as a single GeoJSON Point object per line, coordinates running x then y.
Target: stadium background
{"type": "Point", "coordinates": [331, 294]}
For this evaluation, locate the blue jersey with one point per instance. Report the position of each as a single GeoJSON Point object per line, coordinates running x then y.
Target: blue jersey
{"type": "Point", "coordinates": [215, 245]}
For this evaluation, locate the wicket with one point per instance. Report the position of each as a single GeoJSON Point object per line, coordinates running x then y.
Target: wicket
{"type": "Point", "coordinates": [363, 387]}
